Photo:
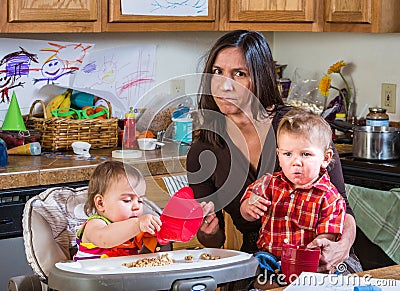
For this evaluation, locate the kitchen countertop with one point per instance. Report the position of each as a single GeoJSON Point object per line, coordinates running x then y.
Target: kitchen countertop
{"type": "Point", "coordinates": [27, 171]}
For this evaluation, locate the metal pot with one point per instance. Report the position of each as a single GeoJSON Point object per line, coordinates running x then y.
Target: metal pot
{"type": "Point", "coordinates": [376, 142]}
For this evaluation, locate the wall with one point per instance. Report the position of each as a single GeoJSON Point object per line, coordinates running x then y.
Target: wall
{"type": "Point", "coordinates": [177, 53]}
{"type": "Point", "coordinates": [374, 59]}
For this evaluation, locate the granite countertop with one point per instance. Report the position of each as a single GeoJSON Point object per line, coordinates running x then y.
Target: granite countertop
{"type": "Point", "coordinates": [48, 169]}
{"type": "Point", "coordinates": [27, 171]}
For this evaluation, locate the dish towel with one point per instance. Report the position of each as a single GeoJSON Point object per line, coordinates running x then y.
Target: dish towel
{"type": "Point", "coordinates": [174, 183]}
{"type": "Point", "coordinates": [377, 215]}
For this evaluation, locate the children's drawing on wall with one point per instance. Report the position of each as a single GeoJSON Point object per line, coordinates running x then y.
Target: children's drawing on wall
{"type": "Point", "coordinates": [28, 65]}
{"type": "Point", "coordinates": [165, 7]}
{"type": "Point", "coordinates": [16, 68]}
{"type": "Point", "coordinates": [122, 74]}
{"type": "Point", "coordinates": [64, 59]}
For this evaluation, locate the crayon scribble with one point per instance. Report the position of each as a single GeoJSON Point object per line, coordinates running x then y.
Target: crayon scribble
{"type": "Point", "coordinates": [17, 65]}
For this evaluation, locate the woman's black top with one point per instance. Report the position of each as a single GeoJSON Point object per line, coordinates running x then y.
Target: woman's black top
{"type": "Point", "coordinates": [222, 174]}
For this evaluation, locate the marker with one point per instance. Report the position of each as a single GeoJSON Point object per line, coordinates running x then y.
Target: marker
{"type": "Point", "coordinates": [367, 288]}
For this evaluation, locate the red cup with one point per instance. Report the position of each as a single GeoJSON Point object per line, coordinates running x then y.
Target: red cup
{"type": "Point", "coordinates": [181, 217]}
{"type": "Point", "coordinates": [298, 259]}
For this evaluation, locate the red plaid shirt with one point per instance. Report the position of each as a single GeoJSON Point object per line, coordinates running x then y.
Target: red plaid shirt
{"type": "Point", "coordinates": [297, 216]}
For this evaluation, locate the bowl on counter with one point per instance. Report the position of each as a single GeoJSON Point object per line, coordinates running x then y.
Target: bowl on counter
{"type": "Point", "coordinates": [81, 148]}
{"type": "Point", "coordinates": [148, 144]}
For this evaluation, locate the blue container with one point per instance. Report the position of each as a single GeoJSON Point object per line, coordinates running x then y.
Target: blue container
{"type": "Point", "coordinates": [182, 130]}
{"type": "Point", "coordinates": [81, 99]}
{"type": "Point", "coordinates": [3, 154]}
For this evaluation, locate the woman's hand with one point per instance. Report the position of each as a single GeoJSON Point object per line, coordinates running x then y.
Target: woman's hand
{"type": "Point", "coordinates": [210, 224]}
{"type": "Point", "coordinates": [332, 254]}
{"type": "Point", "coordinates": [254, 207]}
{"type": "Point", "coordinates": [149, 223]}
{"type": "Point", "coordinates": [335, 253]}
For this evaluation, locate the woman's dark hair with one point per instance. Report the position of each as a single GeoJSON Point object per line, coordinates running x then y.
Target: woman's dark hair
{"type": "Point", "coordinates": [262, 71]}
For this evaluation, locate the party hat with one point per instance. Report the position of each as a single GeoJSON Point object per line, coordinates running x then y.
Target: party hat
{"type": "Point", "coordinates": [13, 119]}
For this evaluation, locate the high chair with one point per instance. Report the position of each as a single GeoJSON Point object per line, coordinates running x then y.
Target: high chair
{"type": "Point", "coordinates": [50, 221]}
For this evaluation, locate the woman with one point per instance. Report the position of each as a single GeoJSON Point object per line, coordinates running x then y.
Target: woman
{"type": "Point", "coordinates": [241, 107]}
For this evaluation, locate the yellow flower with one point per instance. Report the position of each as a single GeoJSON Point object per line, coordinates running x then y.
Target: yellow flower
{"type": "Point", "coordinates": [325, 85]}
{"type": "Point", "coordinates": [335, 68]}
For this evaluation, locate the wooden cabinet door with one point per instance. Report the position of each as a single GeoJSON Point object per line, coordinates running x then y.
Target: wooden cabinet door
{"type": "Point", "coordinates": [355, 11]}
{"type": "Point", "coordinates": [272, 15]}
{"type": "Point", "coordinates": [50, 16]}
{"type": "Point", "coordinates": [362, 15]}
{"type": "Point", "coordinates": [114, 20]}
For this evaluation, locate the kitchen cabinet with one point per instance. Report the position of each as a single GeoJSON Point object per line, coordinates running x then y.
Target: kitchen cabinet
{"type": "Point", "coordinates": [114, 20]}
{"type": "Point", "coordinates": [223, 15]}
{"type": "Point", "coordinates": [362, 16]}
{"type": "Point", "coordinates": [309, 15]}
{"type": "Point", "coordinates": [271, 15]}
{"type": "Point", "coordinates": [50, 16]}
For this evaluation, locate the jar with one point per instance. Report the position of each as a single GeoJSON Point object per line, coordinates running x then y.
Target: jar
{"type": "Point", "coordinates": [377, 117]}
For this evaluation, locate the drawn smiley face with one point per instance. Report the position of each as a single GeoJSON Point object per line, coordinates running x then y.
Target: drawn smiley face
{"type": "Point", "coordinates": [53, 68]}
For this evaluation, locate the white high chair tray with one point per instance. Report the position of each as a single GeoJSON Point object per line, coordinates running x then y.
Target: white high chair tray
{"type": "Point", "coordinates": [231, 266]}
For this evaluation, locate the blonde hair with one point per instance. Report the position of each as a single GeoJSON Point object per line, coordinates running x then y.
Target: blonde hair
{"type": "Point", "coordinates": [307, 124]}
{"type": "Point", "coordinates": [106, 173]}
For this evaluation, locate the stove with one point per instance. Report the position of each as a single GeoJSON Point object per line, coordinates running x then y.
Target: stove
{"type": "Point", "coordinates": [380, 175]}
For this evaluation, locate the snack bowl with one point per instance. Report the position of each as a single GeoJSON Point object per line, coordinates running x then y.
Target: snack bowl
{"type": "Point", "coordinates": [81, 148]}
{"type": "Point", "coordinates": [181, 217]}
{"type": "Point", "coordinates": [148, 144]}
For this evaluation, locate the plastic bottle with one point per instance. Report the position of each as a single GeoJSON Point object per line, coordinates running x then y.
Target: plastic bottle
{"type": "Point", "coordinates": [129, 140]}
{"type": "Point", "coordinates": [3, 154]}
{"type": "Point", "coordinates": [183, 124]}
{"type": "Point", "coordinates": [29, 149]}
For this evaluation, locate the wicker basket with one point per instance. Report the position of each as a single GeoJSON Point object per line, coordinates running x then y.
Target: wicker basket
{"type": "Point", "coordinates": [59, 133]}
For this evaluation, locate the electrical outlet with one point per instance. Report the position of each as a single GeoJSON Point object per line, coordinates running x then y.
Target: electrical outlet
{"type": "Point", "coordinates": [388, 95]}
{"type": "Point", "coordinates": [177, 86]}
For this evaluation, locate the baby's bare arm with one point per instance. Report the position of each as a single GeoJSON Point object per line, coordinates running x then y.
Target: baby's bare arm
{"type": "Point", "coordinates": [116, 233]}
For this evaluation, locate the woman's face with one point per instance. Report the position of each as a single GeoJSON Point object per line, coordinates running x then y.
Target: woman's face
{"type": "Point", "coordinates": [231, 84]}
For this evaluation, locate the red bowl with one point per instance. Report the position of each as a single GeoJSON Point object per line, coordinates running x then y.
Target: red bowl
{"type": "Point", "coordinates": [181, 217]}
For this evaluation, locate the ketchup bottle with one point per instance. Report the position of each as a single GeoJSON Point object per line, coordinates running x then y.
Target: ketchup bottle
{"type": "Point", "coordinates": [129, 140]}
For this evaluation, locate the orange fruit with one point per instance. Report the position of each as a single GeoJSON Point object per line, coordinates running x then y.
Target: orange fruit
{"type": "Point", "coordinates": [148, 134]}
{"type": "Point", "coordinates": [89, 110]}
{"type": "Point", "coordinates": [101, 109]}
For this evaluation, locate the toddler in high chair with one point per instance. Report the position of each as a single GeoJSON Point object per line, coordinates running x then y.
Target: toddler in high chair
{"type": "Point", "coordinates": [116, 225]}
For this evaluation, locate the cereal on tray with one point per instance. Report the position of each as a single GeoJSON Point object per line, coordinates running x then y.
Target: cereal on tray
{"type": "Point", "coordinates": [162, 260]}
{"type": "Point", "coordinates": [205, 256]}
